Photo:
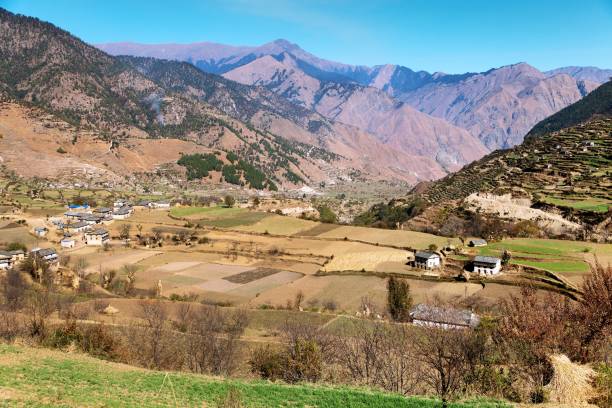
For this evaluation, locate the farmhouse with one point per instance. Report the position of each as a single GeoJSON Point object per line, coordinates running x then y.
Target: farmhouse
{"type": "Point", "coordinates": [103, 211]}
{"type": "Point", "coordinates": [40, 231]}
{"type": "Point", "coordinates": [5, 261]}
{"type": "Point", "coordinates": [426, 260]}
{"type": "Point", "coordinates": [487, 265]}
{"type": "Point", "coordinates": [122, 213]}
{"type": "Point", "coordinates": [77, 226]}
{"type": "Point", "coordinates": [444, 318]}
{"type": "Point", "coordinates": [477, 242]}
{"type": "Point", "coordinates": [8, 259]}
{"type": "Point", "coordinates": [91, 219]}
{"type": "Point", "coordinates": [47, 255]}
{"type": "Point", "coordinates": [68, 242]}
{"type": "Point", "coordinates": [96, 237]}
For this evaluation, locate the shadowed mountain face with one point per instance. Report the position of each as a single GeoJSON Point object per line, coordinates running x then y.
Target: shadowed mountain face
{"type": "Point", "coordinates": [498, 106]}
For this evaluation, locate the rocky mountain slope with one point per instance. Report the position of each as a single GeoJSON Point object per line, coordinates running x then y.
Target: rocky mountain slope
{"type": "Point", "coordinates": [395, 124]}
{"type": "Point", "coordinates": [47, 71]}
{"type": "Point", "coordinates": [498, 106]}
{"type": "Point", "coordinates": [269, 111]}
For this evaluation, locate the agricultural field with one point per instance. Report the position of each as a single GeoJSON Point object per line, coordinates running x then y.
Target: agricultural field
{"type": "Point", "coordinates": [29, 376]}
{"type": "Point", "coordinates": [577, 203]}
{"type": "Point", "coordinates": [568, 258]}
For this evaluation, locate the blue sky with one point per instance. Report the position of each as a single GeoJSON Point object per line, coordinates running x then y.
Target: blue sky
{"type": "Point", "coordinates": [449, 36]}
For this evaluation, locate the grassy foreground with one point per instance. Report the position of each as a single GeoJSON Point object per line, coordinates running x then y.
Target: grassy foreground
{"type": "Point", "coordinates": [40, 377]}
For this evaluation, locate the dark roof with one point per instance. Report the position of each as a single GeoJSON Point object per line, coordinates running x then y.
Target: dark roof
{"type": "Point", "coordinates": [80, 224]}
{"type": "Point", "coordinates": [91, 217]}
{"type": "Point", "coordinates": [426, 254]}
{"type": "Point", "coordinates": [103, 210]}
{"type": "Point", "coordinates": [440, 315]}
{"type": "Point", "coordinates": [5, 255]}
{"type": "Point", "coordinates": [123, 210]}
{"type": "Point", "coordinates": [486, 259]}
{"type": "Point", "coordinates": [45, 252]}
{"type": "Point", "coordinates": [100, 231]}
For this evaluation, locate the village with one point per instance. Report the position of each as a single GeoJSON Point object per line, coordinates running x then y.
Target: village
{"type": "Point", "coordinates": [254, 254]}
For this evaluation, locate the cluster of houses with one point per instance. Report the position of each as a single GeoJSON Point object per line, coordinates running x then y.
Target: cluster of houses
{"type": "Point", "coordinates": [8, 259]}
{"type": "Point", "coordinates": [482, 265]}
{"type": "Point", "coordinates": [86, 223]}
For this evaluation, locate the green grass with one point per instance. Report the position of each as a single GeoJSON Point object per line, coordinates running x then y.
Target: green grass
{"type": "Point", "coordinates": [222, 217]}
{"type": "Point", "coordinates": [555, 266]}
{"type": "Point", "coordinates": [205, 211]}
{"type": "Point", "coordinates": [591, 204]}
{"type": "Point", "coordinates": [31, 377]}
{"type": "Point", "coordinates": [549, 254]}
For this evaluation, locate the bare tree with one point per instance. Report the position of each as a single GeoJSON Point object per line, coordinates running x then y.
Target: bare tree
{"type": "Point", "coordinates": [213, 340]}
{"type": "Point", "coordinates": [441, 353]}
{"type": "Point", "coordinates": [152, 341]}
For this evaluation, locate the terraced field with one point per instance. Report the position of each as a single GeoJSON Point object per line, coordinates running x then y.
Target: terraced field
{"type": "Point", "coordinates": [569, 258]}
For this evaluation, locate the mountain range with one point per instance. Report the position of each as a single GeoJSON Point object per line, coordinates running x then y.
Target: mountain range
{"type": "Point", "coordinates": [119, 109]}
{"type": "Point", "coordinates": [497, 107]}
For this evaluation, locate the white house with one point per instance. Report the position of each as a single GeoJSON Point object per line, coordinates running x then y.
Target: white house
{"type": "Point", "coordinates": [443, 318]}
{"type": "Point", "coordinates": [5, 260]}
{"type": "Point", "coordinates": [68, 242]}
{"type": "Point", "coordinates": [46, 254]}
{"type": "Point", "coordinates": [40, 231]}
{"type": "Point", "coordinates": [487, 265]}
{"type": "Point", "coordinates": [9, 259]}
{"type": "Point", "coordinates": [96, 237]}
{"type": "Point", "coordinates": [77, 227]}
{"type": "Point", "coordinates": [426, 260]}
{"type": "Point", "coordinates": [122, 213]}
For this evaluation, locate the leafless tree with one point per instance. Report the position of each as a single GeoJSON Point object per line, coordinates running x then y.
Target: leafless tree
{"type": "Point", "coordinates": [444, 362]}
{"type": "Point", "coordinates": [213, 340]}
{"type": "Point", "coordinates": [152, 341]}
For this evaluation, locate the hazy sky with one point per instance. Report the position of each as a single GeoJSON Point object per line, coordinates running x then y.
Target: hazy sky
{"type": "Point", "coordinates": [449, 36]}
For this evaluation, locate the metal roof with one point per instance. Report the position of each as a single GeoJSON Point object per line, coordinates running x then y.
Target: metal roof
{"type": "Point", "coordinates": [441, 315]}
{"type": "Point", "coordinates": [486, 259]}
{"type": "Point", "coordinates": [426, 254]}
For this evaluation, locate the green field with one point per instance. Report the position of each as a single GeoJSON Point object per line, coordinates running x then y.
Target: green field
{"type": "Point", "coordinates": [591, 204]}
{"type": "Point", "coordinates": [33, 377]}
{"type": "Point", "coordinates": [222, 217]}
{"type": "Point", "coordinates": [552, 255]}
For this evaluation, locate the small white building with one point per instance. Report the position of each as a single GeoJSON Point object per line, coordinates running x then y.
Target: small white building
{"type": "Point", "coordinates": [96, 237]}
{"type": "Point", "coordinates": [443, 318]}
{"type": "Point", "coordinates": [40, 231]}
{"type": "Point", "coordinates": [487, 265]}
{"type": "Point", "coordinates": [426, 260]}
{"type": "Point", "coordinates": [68, 242]}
